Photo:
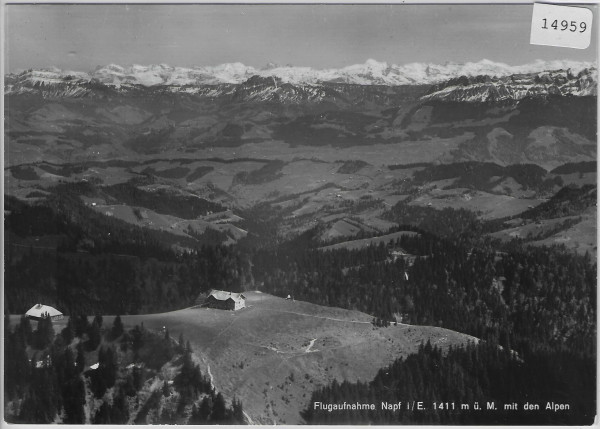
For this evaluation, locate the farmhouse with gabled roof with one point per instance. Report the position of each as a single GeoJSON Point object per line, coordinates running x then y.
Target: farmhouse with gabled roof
{"type": "Point", "coordinates": [225, 300]}
{"type": "Point", "coordinates": [39, 311]}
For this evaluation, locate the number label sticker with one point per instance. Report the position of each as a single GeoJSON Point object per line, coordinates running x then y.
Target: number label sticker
{"type": "Point", "coordinates": [563, 26]}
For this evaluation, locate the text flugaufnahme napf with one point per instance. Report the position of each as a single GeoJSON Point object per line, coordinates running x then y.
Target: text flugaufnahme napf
{"type": "Point", "coordinates": [441, 406]}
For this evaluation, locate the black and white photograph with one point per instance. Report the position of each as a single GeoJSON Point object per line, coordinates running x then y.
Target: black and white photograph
{"type": "Point", "coordinates": [300, 214]}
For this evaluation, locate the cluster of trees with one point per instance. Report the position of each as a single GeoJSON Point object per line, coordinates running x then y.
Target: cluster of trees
{"type": "Point", "coordinates": [212, 410]}
{"type": "Point", "coordinates": [267, 173]}
{"type": "Point", "coordinates": [366, 202]}
{"type": "Point", "coordinates": [576, 167]}
{"type": "Point", "coordinates": [105, 376]}
{"type": "Point", "coordinates": [78, 326]}
{"type": "Point", "coordinates": [50, 382]}
{"type": "Point", "coordinates": [554, 229]}
{"type": "Point", "coordinates": [351, 128]}
{"type": "Point", "coordinates": [408, 166]}
{"type": "Point", "coordinates": [115, 413]}
{"type": "Point", "coordinates": [314, 235]}
{"type": "Point", "coordinates": [569, 201]}
{"type": "Point", "coordinates": [150, 143]}
{"type": "Point", "coordinates": [64, 170]}
{"type": "Point", "coordinates": [49, 387]}
{"type": "Point", "coordinates": [26, 220]}
{"type": "Point", "coordinates": [199, 172]}
{"type": "Point", "coordinates": [17, 366]}
{"type": "Point", "coordinates": [483, 373]}
{"type": "Point", "coordinates": [178, 172]}
{"type": "Point", "coordinates": [207, 405]}
{"type": "Point", "coordinates": [23, 172]}
{"type": "Point", "coordinates": [162, 201]}
{"type": "Point", "coordinates": [209, 237]}
{"type": "Point", "coordinates": [485, 176]}
{"type": "Point", "coordinates": [448, 222]}
{"type": "Point", "coordinates": [352, 166]}
{"type": "Point", "coordinates": [190, 382]}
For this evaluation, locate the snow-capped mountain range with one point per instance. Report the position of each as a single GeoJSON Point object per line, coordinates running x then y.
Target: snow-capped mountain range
{"type": "Point", "coordinates": [370, 73]}
{"type": "Point", "coordinates": [515, 87]}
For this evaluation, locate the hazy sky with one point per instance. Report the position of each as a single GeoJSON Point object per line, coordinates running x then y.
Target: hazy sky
{"type": "Point", "coordinates": [81, 37]}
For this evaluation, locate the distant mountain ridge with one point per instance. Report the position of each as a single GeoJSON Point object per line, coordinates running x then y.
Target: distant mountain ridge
{"type": "Point", "coordinates": [370, 73]}
{"type": "Point", "coordinates": [516, 87]}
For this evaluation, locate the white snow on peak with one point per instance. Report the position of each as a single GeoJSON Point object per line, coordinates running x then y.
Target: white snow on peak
{"type": "Point", "coordinates": [371, 72]}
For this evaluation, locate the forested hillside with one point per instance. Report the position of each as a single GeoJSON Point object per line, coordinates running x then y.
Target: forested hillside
{"type": "Point", "coordinates": [472, 376]}
{"type": "Point", "coordinates": [91, 373]}
{"type": "Point", "coordinates": [97, 264]}
{"type": "Point", "coordinates": [486, 176]}
{"type": "Point", "coordinates": [521, 296]}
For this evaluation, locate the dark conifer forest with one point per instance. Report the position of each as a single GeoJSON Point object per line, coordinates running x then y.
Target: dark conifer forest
{"type": "Point", "coordinates": [46, 374]}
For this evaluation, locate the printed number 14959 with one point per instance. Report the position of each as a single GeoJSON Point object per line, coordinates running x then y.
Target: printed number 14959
{"type": "Point", "coordinates": [564, 25]}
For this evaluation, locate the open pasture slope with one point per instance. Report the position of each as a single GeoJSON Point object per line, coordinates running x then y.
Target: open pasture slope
{"type": "Point", "coordinates": [276, 352]}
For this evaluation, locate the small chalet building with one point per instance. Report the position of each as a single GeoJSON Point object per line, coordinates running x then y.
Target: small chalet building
{"type": "Point", "coordinates": [39, 311]}
{"type": "Point", "coordinates": [225, 300]}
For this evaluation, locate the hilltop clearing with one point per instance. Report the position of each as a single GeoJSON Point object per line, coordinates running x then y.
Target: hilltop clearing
{"type": "Point", "coordinates": [273, 354]}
